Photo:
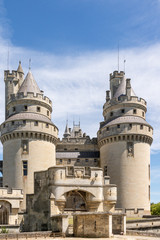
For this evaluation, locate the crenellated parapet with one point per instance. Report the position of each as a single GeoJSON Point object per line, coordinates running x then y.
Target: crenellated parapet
{"type": "Point", "coordinates": [116, 74]}
{"type": "Point", "coordinates": [30, 96]}
{"type": "Point", "coordinates": [11, 193]}
{"type": "Point", "coordinates": [29, 102]}
{"type": "Point", "coordinates": [124, 101]}
{"type": "Point", "coordinates": [10, 75]}
{"type": "Point", "coordinates": [124, 106]}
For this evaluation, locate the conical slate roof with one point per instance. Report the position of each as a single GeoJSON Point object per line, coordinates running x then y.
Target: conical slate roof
{"type": "Point", "coordinates": [20, 70]}
{"type": "Point", "coordinates": [29, 85]}
{"type": "Point", "coordinates": [122, 89]}
{"type": "Point", "coordinates": [66, 133]}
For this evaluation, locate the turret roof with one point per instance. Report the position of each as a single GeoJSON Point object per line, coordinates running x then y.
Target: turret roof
{"type": "Point", "coordinates": [29, 116]}
{"type": "Point", "coordinates": [122, 89]}
{"type": "Point", "coordinates": [127, 119]}
{"type": "Point", "coordinates": [29, 85]}
{"type": "Point", "coordinates": [20, 70]}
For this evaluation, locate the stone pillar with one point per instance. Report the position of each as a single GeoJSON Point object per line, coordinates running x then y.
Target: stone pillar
{"type": "Point", "coordinates": [110, 226]}
{"type": "Point", "coordinates": [61, 205]}
{"type": "Point", "coordinates": [64, 224]}
{"type": "Point", "coordinates": [123, 226]}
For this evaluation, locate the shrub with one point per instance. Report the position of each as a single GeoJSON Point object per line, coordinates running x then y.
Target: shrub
{"type": "Point", "coordinates": [155, 208]}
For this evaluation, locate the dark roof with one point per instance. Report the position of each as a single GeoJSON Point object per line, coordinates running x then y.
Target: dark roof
{"type": "Point", "coordinates": [83, 154]}
{"type": "Point", "coordinates": [29, 116]}
{"type": "Point", "coordinates": [122, 89]}
{"type": "Point", "coordinates": [29, 85]}
{"type": "Point", "coordinates": [126, 119]}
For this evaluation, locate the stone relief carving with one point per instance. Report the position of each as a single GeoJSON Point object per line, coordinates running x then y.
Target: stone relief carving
{"type": "Point", "coordinates": [25, 147]}
{"type": "Point", "coordinates": [130, 148]}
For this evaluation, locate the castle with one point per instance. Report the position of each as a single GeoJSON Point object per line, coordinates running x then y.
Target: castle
{"type": "Point", "coordinates": [76, 174]}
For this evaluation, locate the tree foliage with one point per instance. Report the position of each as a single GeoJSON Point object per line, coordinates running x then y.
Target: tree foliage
{"type": "Point", "coordinates": [155, 208]}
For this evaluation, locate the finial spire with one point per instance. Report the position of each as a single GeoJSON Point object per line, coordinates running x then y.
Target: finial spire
{"type": "Point", "coordinates": [30, 64]}
{"type": "Point", "coordinates": [8, 58]}
{"type": "Point", "coordinates": [20, 70]}
{"type": "Point", "coordinates": [118, 56]}
{"type": "Point", "coordinates": [124, 65]}
{"type": "Point", "coordinates": [66, 132]}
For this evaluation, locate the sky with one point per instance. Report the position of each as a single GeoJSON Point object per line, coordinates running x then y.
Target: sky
{"type": "Point", "coordinates": [73, 47]}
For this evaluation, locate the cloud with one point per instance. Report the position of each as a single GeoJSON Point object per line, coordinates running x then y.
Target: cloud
{"type": "Point", "coordinates": [77, 83]}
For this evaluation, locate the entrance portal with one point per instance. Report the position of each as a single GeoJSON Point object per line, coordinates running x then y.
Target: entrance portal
{"type": "Point", "coordinates": [4, 212]}
{"type": "Point", "coordinates": [76, 201]}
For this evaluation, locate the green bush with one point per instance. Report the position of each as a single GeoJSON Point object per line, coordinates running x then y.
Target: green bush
{"type": "Point", "coordinates": [155, 208]}
{"type": "Point", "coordinates": [4, 230]}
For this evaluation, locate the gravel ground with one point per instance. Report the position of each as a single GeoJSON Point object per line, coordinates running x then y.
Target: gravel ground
{"type": "Point", "coordinates": [116, 237]}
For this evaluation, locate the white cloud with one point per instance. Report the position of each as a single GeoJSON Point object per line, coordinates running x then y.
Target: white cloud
{"type": "Point", "coordinates": [77, 84]}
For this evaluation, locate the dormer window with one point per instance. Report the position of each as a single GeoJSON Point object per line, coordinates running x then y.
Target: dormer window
{"type": "Point", "coordinates": [38, 109]}
{"type": "Point", "coordinates": [36, 123]}
{"type": "Point", "coordinates": [25, 107]}
{"type": "Point", "coordinates": [134, 111]}
{"type": "Point", "coordinates": [69, 161]}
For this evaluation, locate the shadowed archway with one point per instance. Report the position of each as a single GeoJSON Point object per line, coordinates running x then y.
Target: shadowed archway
{"type": "Point", "coordinates": [5, 209]}
{"type": "Point", "coordinates": [75, 201]}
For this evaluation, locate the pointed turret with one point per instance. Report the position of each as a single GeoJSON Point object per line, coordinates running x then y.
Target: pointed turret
{"type": "Point", "coordinates": [66, 132]}
{"type": "Point", "coordinates": [122, 89]}
{"type": "Point", "coordinates": [20, 75]}
{"type": "Point", "coordinates": [29, 85]}
{"type": "Point", "coordinates": [19, 69]}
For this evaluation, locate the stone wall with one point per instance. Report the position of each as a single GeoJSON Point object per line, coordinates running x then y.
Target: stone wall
{"type": "Point", "coordinates": [98, 224]}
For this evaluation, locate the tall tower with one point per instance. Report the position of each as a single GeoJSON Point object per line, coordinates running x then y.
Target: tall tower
{"type": "Point", "coordinates": [28, 135]}
{"type": "Point", "coordinates": [124, 139]}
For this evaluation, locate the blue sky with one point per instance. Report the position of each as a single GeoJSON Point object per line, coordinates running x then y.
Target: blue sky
{"type": "Point", "coordinates": [73, 46]}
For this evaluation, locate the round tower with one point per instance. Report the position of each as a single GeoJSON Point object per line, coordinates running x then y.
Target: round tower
{"type": "Point", "coordinates": [28, 135]}
{"type": "Point", "coordinates": [124, 139]}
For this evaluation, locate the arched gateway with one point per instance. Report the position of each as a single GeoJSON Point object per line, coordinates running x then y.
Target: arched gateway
{"type": "Point", "coordinates": [75, 201]}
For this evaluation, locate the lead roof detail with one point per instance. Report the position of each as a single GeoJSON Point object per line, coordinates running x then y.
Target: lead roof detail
{"type": "Point", "coordinates": [29, 85]}
{"type": "Point", "coordinates": [122, 89]}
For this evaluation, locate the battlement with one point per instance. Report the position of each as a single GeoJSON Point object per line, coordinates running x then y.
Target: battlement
{"type": "Point", "coordinates": [30, 95]}
{"type": "Point", "coordinates": [132, 99]}
{"type": "Point", "coordinates": [125, 99]}
{"type": "Point", "coordinates": [10, 74]}
{"type": "Point", "coordinates": [9, 192]}
{"type": "Point", "coordinates": [117, 74]}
